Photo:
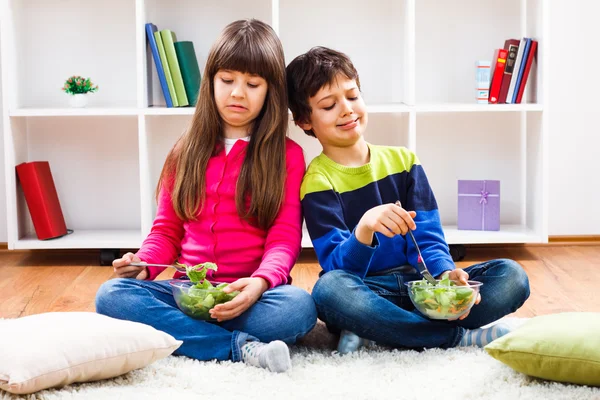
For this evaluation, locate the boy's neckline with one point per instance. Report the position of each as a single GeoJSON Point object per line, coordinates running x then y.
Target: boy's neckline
{"type": "Point", "coordinates": [346, 169]}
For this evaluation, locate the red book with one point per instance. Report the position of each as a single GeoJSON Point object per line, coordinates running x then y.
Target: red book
{"type": "Point", "coordinates": [498, 63]}
{"type": "Point", "coordinates": [512, 45]}
{"type": "Point", "coordinates": [42, 199]}
{"type": "Point", "coordinates": [530, 58]}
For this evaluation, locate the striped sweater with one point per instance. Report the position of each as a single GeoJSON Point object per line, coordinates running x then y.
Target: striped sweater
{"type": "Point", "coordinates": [335, 197]}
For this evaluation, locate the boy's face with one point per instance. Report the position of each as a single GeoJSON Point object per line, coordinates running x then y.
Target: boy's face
{"type": "Point", "coordinates": [339, 114]}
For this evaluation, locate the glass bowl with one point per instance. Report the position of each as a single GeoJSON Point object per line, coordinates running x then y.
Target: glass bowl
{"type": "Point", "coordinates": [443, 301]}
{"type": "Point", "coordinates": [197, 302]}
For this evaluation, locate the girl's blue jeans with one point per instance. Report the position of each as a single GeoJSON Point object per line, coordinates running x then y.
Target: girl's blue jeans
{"type": "Point", "coordinates": [379, 308]}
{"type": "Point", "coordinates": [283, 313]}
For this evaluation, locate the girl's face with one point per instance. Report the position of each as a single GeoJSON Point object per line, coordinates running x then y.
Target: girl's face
{"type": "Point", "coordinates": [239, 98]}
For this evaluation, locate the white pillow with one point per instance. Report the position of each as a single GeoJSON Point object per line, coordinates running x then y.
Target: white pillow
{"type": "Point", "coordinates": [56, 349]}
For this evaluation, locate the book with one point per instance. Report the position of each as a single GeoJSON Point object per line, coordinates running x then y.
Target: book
{"type": "Point", "coordinates": [530, 58]}
{"type": "Point", "coordinates": [165, 64]}
{"type": "Point", "coordinates": [519, 67]}
{"type": "Point", "coordinates": [498, 63]}
{"type": "Point", "coordinates": [190, 72]}
{"type": "Point", "coordinates": [150, 29]}
{"type": "Point", "coordinates": [482, 80]}
{"type": "Point", "coordinates": [169, 38]}
{"type": "Point", "coordinates": [512, 45]}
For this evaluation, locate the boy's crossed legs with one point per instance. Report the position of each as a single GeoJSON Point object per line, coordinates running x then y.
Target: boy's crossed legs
{"type": "Point", "coordinates": [379, 308]}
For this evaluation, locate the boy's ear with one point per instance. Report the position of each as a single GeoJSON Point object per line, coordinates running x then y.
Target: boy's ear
{"type": "Point", "coordinates": [305, 126]}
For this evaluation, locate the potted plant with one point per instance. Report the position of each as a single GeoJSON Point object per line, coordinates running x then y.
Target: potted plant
{"type": "Point", "coordinates": [78, 87]}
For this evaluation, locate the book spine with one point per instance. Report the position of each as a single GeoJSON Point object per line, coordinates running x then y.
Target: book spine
{"type": "Point", "coordinates": [519, 74]}
{"type": "Point", "coordinates": [169, 38]}
{"type": "Point", "coordinates": [190, 72]}
{"type": "Point", "coordinates": [150, 29]}
{"type": "Point", "coordinates": [530, 58]}
{"type": "Point", "coordinates": [482, 80]}
{"type": "Point", "coordinates": [165, 63]}
{"type": "Point", "coordinates": [499, 61]}
{"type": "Point", "coordinates": [519, 67]}
{"type": "Point", "coordinates": [512, 45]}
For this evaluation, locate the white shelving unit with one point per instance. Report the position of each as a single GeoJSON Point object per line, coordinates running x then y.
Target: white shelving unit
{"type": "Point", "coordinates": [416, 60]}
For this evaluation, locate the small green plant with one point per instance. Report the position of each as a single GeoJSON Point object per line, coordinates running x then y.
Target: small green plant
{"type": "Point", "coordinates": [79, 85]}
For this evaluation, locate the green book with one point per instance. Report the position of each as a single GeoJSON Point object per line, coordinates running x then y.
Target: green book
{"type": "Point", "coordinates": [163, 60]}
{"type": "Point", "coordinates": [169, 39]}
{"type": "Point", "coordinates": [190, 72]}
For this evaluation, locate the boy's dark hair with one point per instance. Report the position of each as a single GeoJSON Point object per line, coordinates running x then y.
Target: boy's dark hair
{"type": "Point", "coordinates": [309, 72]}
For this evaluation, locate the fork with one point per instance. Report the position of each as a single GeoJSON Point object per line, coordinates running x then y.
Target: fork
{"type": "Point", "coordinates": [420, 262]}
{"type": "Point", "coordinates": [180, 269]}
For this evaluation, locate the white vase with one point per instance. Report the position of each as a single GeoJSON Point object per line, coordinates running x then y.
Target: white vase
{"type": "Point", "coordinates": [78, 100]}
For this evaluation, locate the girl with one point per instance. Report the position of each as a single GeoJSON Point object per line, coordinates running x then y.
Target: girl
{"type": "Point", "coordinates": [229, 193]}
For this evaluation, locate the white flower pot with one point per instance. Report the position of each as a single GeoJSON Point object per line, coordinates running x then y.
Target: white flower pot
{"type": "Point", "coordinates": [78, 100]}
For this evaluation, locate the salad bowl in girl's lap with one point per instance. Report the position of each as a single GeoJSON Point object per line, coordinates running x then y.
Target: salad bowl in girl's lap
{"type": "Point", "coordinates": [446, 300]}
{"type": "Point", "coordinates": [197, 299]}
{"type": "Point", "coordinates": [197, 296]}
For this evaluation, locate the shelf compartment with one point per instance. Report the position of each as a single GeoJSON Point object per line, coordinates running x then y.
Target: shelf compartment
{"type": "Point", "coordinates": [374, 38]}
{"type": "Point", "coordinates": [95, 168]}
{"type": "Point", "coordinates": [500, 147]}
{"type": "Point", "coordinates": [450, 39]}
{"type": "Point", "coordinates": [200, 22]}
{"type": "Point", "coordinates": [162, 131]}
{"type": "Point", "coordinates": [52, 39]}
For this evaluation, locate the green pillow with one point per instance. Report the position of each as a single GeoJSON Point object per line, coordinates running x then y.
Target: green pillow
{"type": "Point", "coordinates": [560, 347]}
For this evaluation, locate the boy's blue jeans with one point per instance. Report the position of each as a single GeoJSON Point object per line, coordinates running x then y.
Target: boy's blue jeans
{"type": "Point", "coordinates": [379, 308]}
{"type": "Point", "coordinates": [282, 313]}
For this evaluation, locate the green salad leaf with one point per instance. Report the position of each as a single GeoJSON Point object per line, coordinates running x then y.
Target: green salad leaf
{"type": "Point", "coordinates": [442, 301]}
{"type": "Point", "coordinates": [200, 298]}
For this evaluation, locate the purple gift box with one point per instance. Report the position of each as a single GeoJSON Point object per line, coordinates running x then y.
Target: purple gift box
{"type": "Point", "coordinates": [479, 205]}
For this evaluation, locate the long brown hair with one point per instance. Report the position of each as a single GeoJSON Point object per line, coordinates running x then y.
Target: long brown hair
{"type": "Point", "coordinates": [249, 46]}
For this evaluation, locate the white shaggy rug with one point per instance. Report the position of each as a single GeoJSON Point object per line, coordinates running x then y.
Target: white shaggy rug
{"type": "Point", "coordinates": [376, 373]}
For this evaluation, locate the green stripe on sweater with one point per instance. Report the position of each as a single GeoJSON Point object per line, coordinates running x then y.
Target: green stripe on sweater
{"type": "Point", "coordinates": [384, 161]}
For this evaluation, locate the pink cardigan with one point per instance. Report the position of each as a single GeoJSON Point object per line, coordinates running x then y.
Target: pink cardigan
{"type": "Point", "coordinates": [219, 235]}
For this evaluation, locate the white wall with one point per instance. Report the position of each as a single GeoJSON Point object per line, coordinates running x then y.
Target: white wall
{"type": "Point", "coordinates": [574, 129]}
{"type": "Point", "coordinates": [574, 126]}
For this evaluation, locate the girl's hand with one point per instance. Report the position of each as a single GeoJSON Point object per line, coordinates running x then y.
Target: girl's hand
{"type": "Point", "coordinates": [388, 219]}
{"type": "Point", "coordinates": [124, 270]}
{"type": "Point", "coordinates": [250, 291]}
{"type": "Point", "coordinates": [461, 277]}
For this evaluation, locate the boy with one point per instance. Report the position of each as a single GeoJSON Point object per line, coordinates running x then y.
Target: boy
{"type": "Point", "coordinates": [348, 197]}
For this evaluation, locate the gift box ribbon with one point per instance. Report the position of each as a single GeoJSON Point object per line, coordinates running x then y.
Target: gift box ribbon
{"type": "Point", "coordinates": [483, 200]}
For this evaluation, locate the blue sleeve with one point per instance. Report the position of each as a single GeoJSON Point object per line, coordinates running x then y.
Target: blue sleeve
{"type": "Point", "coordinates": [429, 233]}
{"type": "Point", "coordinates": [335, 245]}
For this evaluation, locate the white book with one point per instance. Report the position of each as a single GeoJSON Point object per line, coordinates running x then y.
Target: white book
{"type": "Point", "coordinates": [516, 70]}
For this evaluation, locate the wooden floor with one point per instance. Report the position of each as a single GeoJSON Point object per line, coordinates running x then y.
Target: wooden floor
{"type": "Point", "coordinates": [562, 278]}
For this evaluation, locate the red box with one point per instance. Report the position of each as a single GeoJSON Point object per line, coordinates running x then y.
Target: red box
{"type": "Point", "coordinates": [42, 199]}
